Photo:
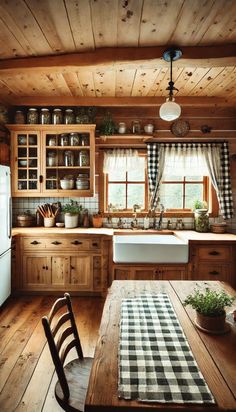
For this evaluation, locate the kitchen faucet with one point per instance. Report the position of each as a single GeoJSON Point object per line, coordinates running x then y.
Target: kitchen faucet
{"type": "Point", "coordinates": [159, 225]}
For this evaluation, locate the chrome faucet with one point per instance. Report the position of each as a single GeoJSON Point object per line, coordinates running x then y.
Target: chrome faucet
{"type": "Point", "coordinates": [159, 225]}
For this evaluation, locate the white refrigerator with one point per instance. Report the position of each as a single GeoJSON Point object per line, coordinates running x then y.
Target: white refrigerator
{"type": "Point", "coordinates": [5, 233]}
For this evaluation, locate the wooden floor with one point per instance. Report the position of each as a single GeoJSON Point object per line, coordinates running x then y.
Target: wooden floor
{"type": "Point", "coordinates": [27, 376]}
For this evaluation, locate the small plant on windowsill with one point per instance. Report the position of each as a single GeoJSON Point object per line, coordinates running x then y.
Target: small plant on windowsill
{"type": "Point", "coordinates": [210, 309]}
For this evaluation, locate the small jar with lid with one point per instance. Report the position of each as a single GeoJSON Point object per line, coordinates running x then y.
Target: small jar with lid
{"type": "Point", "coordinates": [69, 158]}
{"type": "Point", "coordinates": [84, 139]}
{"type": "Point", "coordinates": [19, 117]}
{"type": "Point", "coordinates": [69, 117]}
{"type": "Point", "coordinates": [51, 159]}
{"type": "Point", "coordinates": [84, 158]}
{"type": "Point", "coordinates": [136, 127]}
{"type": "Point", "coordinates": [74, 139]}
{"type": "Point", "coordinates": [122, 128]}
{"type": "Point", "coordinates": [64, 139]}
{"type": "Point", "coordinates": [52, 141]}
{"type": "Point", "coordinates": [57, 117]}
{"type": "Point", "coordinates": [32, 116]}
{"type": "Point", "coordinates": [45, 117]}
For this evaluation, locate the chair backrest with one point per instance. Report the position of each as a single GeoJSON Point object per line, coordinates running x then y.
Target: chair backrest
{"type": "Point", "coordinates": [62, 336]}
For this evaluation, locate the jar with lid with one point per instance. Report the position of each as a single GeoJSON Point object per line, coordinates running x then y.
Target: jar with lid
{"type": "Point", "coordinates": [45, 117]}
{"type": "Point", "coordinates": [19, 117]}
{"type": "Point", "coordinates": [69, 117]}
{"type": "Point", "coordinates": [52, 141]}
{"type": "Point", "coordinates": [64, 139]}
{"type": "Point", "coordinates": [51, 159]}
{"type": "Point", "coordinates": [84, 158]}
{"type": "Point", "coordinates": [201, 220]}
{"type": "Point", "coordinates": [74, 139]}
{"type": "Point", "coordinates": [121, 128]}
{"type": "Point", "coordinates": [32, 116]}
{"type": "Point", "coordinates": [136, 127]}
{"type": "Point", "coordinates": [57, 116]}
{"type": "Point", "coordinates": [69, 158]}
{"type": "Point", "coordinates": [84, 139]}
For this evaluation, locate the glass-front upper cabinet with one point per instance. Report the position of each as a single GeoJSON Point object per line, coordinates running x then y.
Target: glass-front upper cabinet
{"type": "Point", "coordinates": [49, 160]}
{"type": "Point", "coordinates": [25, 162]}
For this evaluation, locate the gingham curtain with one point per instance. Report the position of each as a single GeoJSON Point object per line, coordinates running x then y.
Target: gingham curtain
{"type": "Point", "coordinates": [220, 178]}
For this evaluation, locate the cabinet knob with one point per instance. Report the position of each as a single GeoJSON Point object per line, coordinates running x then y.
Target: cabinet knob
{"type": "Point", "coordinates": [72, 267]}
{"type": "Point", "coordinates": [214, 253]}
{"type": "Point", "coordinates": [35, 242]}
{"type": "Point", "coordinates": [56, 242]}
{"type": "Point", "coordinates": [214, 272]}
{"type": "Point", "coordinates": [95, 244]}
{"type": "Point", "coordinates": [44, 267]}
{"type": "Point", "coordinates": [76, 242]}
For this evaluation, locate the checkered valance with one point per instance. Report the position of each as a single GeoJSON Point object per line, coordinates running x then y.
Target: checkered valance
{"type": "Point", "coordinates": [219, 178]}
{"type": "Point", "coordinates": [155, 361]}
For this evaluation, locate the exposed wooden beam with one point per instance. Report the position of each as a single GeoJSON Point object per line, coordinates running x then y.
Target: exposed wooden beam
{"type": "Point", "coordinates": [126, 57]}
{"type": "Point", "coordinates": [116, 101]}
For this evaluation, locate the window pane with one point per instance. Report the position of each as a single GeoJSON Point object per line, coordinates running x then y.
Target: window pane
{"type": "Point", "coordinates": [195, 178]}
{"type": "Point", "coordinates": [193, 192]}
{"type": "Point", "coordinates": [171, 178]}
{"type": "Point", "coordinates": [171, 196]}
{"type": "Point", "coordinates": [116, 195]}
{"type": "Point", "coordinates": [117, 175]}
{"type": "Point", "coordinates": [135, 195]}
{"type": "Point", "coordinates": [138, 175]}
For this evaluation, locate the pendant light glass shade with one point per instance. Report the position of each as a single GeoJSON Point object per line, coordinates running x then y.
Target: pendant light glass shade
{"type": "Point", "coordinates": [169, 110]}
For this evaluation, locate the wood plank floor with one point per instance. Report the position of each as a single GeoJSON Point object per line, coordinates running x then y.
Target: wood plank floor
{"type": "Point", "coordinates": [27, 376]}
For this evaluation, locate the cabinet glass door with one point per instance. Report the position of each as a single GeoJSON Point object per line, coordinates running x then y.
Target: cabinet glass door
{"type": "Point", "coordinates": [27, 162]}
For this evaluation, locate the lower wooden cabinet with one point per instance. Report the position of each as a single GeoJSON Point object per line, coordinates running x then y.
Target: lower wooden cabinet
{"type": "Point", "coordinates": [150, 272]}
{"type": "Point", "coordinates": [49, 264]}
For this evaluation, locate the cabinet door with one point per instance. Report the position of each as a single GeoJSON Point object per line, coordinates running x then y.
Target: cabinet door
{"type": "Point", "coordinates": [122, 274]}
{"type": "Point", "coordinates": [207, 271]}
{"type": "Point", "coordinates": [25, 163]}
{"type": "Point", "coordinates": [80, 274]}
{"type": "Point", "coordinates": [36, 272]}
{"type": "Point", "coordinates": [171, 273]}
{"type": "Point", "coordinates": [144, 273]}
{"type": "Point", "coordinates": [60, 270]}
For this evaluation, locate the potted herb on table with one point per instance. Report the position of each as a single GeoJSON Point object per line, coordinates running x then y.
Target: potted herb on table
{"type": "Point", "coordinates": [72, 211]}
{"type": "Point", "coordinates": [210, 309]}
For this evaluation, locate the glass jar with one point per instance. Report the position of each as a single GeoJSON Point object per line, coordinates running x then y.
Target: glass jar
{"type": "Point", "coordinates": [51, 159]}
{"type": "Point", "coordinates": [19, 117]}
{"type": "Point", "coordinates": [136, 127]}
{"type": "Point", "coordinates": [84, 139]}
{"type": "Point", "coordinates": [52, 141]}
{"type": "Point", "coordinates": [201, 220]}
{"type": "Point", "coordinates": [57, 116]}
{"type": "Point", "coordinates": [64, 139]}
{"type": "Point", "coordinates": [84, 158]}
{"type": "Point", "coordinates": [74, 139]}
{"type": "Point", "coordinates": [45, 117]}
{"type": "Point", "coordinates": [69, 117]}
{"type": "Point", "coordinates": [32, 116]}
{"type": "Point", "coordinates": [69, 158]}
{"type": "Point", "coordinates": [122, 128]}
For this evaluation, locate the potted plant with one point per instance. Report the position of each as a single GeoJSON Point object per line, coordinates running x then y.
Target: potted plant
{"type": "Point", "coordinates": [97, 219]}
{"type": "Point", "coordinates": [108, 126]}
{"type": "Point", "coordinates": [201, 217]}
{"type": "Point", "coordinates": [71, 211]}
{"type": "Point", "coordinates": [210, 309]}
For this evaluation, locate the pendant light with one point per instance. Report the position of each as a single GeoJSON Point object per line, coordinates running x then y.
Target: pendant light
{"type": "Point", "coordinates": [170, 110]}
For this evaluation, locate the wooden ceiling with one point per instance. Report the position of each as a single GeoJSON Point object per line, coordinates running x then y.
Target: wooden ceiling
{"type": "Point", "coordinates": [101, 52]}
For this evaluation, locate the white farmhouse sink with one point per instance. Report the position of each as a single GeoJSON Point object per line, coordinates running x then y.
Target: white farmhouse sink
{"type": "Point", "coordinates": [149, 249]}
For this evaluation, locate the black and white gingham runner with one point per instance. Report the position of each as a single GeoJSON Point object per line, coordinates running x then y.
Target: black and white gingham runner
{"type": "Point", "coordinates": [155, 360]}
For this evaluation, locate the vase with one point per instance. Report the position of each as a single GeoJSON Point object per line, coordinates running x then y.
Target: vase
{"type": "Point", "coordinates": [201, 220]}
{"type": "Point", "coordinates": [71, 220]}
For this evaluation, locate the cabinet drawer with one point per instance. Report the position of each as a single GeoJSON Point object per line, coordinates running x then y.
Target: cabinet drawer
{"type": "Point", "coordinates": [212, 272]}
{"type": "Point", "coordinates": [61, 243]}
{"type": "Point", "coordinates": [214, 253]}
{"type": "Point", "coordinates": [32, 243]}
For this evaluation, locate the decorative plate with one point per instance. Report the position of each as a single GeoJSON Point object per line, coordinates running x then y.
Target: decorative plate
{"type": "Point", "coordinates": [180, 128]}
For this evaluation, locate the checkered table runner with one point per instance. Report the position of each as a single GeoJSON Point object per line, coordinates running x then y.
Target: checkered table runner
{"type": "Point", "coordinates": [155, 360]}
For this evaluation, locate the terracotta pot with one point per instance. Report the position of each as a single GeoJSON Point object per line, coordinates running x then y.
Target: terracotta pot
{"type": "Point", "coordinates": [211, 323]}
{"type": "Point", "coordinates": [97, 221]}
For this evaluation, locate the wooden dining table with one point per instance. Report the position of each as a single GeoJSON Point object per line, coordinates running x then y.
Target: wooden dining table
{"type": "Point", "coordinates": [214, 354]}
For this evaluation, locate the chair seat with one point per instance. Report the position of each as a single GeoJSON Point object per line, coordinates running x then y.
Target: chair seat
{"type": "Point", "coordinates": [77, 375]}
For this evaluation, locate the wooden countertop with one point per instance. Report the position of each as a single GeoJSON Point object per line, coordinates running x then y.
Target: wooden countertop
{"type": "Point", "coordinates": [190, 235]}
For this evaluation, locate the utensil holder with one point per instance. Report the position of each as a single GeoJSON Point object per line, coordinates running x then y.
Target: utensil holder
{"type": "Point", "coordinates": [49, 221]}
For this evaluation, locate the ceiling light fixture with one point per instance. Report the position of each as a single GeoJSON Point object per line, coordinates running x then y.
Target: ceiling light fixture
{"type": "Point", "coordinates": [170, 110]}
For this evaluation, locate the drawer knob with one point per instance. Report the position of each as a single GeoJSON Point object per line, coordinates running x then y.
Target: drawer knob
{"type": "Point", "coordinates": [94, 244]}
{"type": "Point", "coordinates": [214, 272]}
{"type": "Point", "coordinates": [35, 242]}
{"type": "Point", "coordinates": [76, 242]}
{"type": "Point", "coordinates": [214, 253]}
{"type": "Point", "coordinates": [56, 243]}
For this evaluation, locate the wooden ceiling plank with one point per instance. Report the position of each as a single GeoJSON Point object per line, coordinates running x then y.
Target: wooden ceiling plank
{"type": "Point", "coordinates": [104, 21]}
{"type": "Point", "coordinates": [52, 19]}
{"type": "Point", "coordinates": [86, 81]}
{"type": "Point", "coordinates": [229, 85]}
{"type": "Point", "coordinates": [194, 77]}
{"type": "Point", "coordinates": [143, 81]}
{"type": "Point", "coordinates": [104, 82]}
{"type": "Point", "coordinates": [124, 82]}
{"type": "Point", "coordinates": [59, 84]}
{"type": "Point", "coordinates": [29, 27]}
{"type": "Point", "coordinates": [73, 84]}
{"type": "Point", "coordinates": [128, 24]}
{"type": "Point", "coordinates": [156, 87]}
{"type": "Point", "coordinates": [200, 89]}
{"type": "Point", "coordinates": [227, 75]}
{"type": "Point", "coordinates": [177, 71]}
{"type": "Point", "coordinates": [79, 14]}
{"type": "Point", "coordinates": [157, 21]}
{"type": "Point", "coordinates": [150, 57]}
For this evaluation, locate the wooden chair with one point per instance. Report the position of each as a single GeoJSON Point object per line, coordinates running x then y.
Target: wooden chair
{"type": "Point", "coordinates": [62, 336]}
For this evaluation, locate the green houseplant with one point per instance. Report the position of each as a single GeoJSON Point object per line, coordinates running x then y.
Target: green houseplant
{"type": "Point", "coordinates": [210, 309]}
{"type": "Point", "coordinates": [72, 211]}
{"type": "Point", "coordinates": [201, 218]}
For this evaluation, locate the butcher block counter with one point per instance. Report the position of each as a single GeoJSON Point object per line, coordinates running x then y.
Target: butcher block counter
{"type": "Point", "coordinates": [80, 260]}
